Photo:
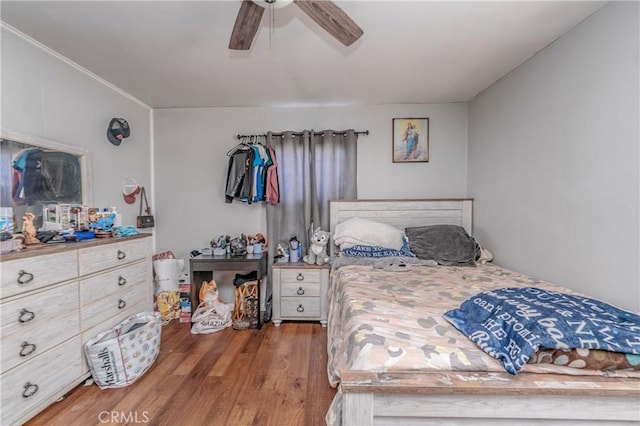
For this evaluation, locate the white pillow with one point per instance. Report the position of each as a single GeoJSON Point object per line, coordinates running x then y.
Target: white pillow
{"type": "Point", "coordinates": [357, 231]}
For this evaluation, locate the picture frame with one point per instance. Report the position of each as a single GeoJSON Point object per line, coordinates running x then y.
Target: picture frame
{"type": "Point", "coordinates": [410, 140]}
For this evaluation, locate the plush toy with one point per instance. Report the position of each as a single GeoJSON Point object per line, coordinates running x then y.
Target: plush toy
{"type": "Point", "coordinates": [209, 293]}
{"type": "Point", "coordinates": [318, 248]}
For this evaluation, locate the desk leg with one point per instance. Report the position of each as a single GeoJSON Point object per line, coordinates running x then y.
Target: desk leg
{"type": "Point", "coordinates": [259, 316]}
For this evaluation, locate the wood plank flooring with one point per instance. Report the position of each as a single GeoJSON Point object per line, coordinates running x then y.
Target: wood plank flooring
{"type": "Point", "coordinates": [274, 376]}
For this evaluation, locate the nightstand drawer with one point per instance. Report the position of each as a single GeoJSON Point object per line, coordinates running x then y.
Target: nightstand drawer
{"type": "Point", "coordinates": [300, 276]}
{"type": "Point", "coordinates": [300, 293]}
{"type": "Point", "coordinates": [300, 307]}
{"type": "Point", "coordinates": [302, 289]}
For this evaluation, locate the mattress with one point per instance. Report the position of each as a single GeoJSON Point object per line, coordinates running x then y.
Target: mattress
{"type": "Point", "coordinates": [381, 320]}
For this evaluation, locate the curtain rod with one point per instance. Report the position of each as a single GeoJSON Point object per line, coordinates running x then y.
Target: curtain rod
{"type": "Point", "coordinates": [364, 132]}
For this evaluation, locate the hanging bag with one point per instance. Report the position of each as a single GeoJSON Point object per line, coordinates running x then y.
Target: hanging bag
{"type": "Point", "coordinates": [145, 221]}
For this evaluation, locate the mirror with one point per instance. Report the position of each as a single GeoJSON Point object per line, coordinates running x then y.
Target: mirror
{"type": "Point", "coordinates": [36, 171]}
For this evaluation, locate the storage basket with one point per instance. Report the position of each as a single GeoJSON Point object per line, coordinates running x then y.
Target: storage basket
{"type": "Point", "coordinates": [120, 356]}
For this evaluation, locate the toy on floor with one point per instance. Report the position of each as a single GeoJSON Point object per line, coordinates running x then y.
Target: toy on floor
{"type": "Point", "coordinates": [212, 314]}
{"type": "Point", "coordinates": [209, 293]}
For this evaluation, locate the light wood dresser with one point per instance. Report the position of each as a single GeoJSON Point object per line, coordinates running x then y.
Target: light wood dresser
{"type": "Point", "coordinates": [52, 300]}
{"type": "Point", "coordinates": [300, 292]}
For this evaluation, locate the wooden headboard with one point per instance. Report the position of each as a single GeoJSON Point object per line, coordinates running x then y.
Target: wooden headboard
{"type": "Point", "coordinates": [404, 213]}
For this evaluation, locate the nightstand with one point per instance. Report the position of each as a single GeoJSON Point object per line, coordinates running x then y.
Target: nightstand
{"type": "Point", "coordinates": [300, 292]}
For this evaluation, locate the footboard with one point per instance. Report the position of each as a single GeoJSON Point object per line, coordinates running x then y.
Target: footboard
{"type": "Point", "coordinates": [370, 398]}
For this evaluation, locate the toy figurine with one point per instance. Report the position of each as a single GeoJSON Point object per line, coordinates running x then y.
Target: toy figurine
{"type": "Point", "coordinates": [29, 229]}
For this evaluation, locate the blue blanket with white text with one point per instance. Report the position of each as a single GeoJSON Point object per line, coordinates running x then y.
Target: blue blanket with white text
{"type": "Point", "coordinates": [511, 324]}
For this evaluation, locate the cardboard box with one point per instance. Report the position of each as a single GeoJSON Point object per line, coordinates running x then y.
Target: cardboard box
{"type": "Point", "coordinates": [185, 317]}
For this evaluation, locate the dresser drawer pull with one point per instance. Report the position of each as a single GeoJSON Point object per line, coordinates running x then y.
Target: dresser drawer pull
{"type": "Point", "coordinates": [24, 277]}
{"type": "Point", "coordinates": [300, 291]}
{"type": "Point", "coordinates": [300, 308]}
{"type": "Point", "coordinates": [122, 280]}
{"type": "Point", "coordinates": [27, 349]}
{"type": "Point", "coordinates": [29, 390]}
{"type": "Point", "coordinates": [121, 304]}
{"type": "Point", "coordinates": [300, 277]}
{"type": "Point", "coordinates": [121, 255]}
{"type": "Point", "coordinates": [26, 316]}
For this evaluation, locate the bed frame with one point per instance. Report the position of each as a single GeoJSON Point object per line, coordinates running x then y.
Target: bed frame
{"type": "Point", "coordinates": [459, 398]}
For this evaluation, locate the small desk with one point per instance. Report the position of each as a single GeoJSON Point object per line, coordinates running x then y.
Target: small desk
{"type": "Point", "coordinates": [210, 264]}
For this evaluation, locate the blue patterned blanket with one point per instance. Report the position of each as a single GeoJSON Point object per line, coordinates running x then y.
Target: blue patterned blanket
{"type": "Point", "coordinates": [511, 324]}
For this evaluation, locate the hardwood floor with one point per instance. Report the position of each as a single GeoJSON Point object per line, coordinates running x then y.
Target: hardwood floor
{"type": "Point", "coordinates": [273, 376]}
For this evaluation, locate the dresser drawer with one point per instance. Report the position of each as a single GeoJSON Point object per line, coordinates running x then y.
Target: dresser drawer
{"type": "Point", "coordinates": [102, 310]}
{"type": "Point", "coordinates": [29, 386]}
{"type": "Point", "coordinates": [37, 322]}
{"type": "Point", "coordinates": [302, 289]}
{"type": "Point", "coordinates": [99, 258]}
{"type": "Point", "coordinates": [20, 275]}
{"type": "Point", "coordinates": [112, 282]}
{"type": "Point", "coordinates": [300, 276]}
{"type": "Point", "coordinates": [300, 307]}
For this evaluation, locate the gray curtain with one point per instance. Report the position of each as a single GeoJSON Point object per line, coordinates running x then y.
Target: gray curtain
{"type": "Point", "coordinates": [313, 168]}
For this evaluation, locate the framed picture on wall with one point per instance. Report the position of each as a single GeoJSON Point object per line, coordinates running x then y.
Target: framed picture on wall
{"type": "Point", "coordinates": [410, 140]}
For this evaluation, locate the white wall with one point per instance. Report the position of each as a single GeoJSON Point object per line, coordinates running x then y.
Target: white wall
{"type": "Point", "coordinates": [45, 95]}
{"type": "Point", "coordinates": [553, 160]}
{"type": "Point", "coordinates": [191, 162]}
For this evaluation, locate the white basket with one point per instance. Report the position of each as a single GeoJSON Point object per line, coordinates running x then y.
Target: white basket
{"type": "Point", "coordinates": [119, 356]}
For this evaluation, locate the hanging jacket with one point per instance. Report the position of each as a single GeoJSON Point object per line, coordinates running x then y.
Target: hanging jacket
{"type": "Point", "coordinates": [240, 176]}
{"type": "Point", "coordinates": [272, 186]}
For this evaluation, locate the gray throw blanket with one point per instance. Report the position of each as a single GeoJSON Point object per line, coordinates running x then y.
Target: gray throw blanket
{"type": "Point", "coordinates": [448, 245]}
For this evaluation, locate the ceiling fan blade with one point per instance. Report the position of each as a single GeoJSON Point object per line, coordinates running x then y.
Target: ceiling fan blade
{"type": "Point", "coordinates": [333, 19]}
{"type": "Point", "coordinates": [246, 26]}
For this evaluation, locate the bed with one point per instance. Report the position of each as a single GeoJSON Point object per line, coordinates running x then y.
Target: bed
{"type": "Point", "coordinates": [397, 360]}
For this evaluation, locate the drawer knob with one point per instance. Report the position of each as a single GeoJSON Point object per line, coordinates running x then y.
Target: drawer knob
{"type": "Point", "coordinates": [121, 304]}
{"type": "Point", "coordinates": [300, 277]}
{"type": "Point", "coordinates": [300, 308]}
{"type": "Point", "coordinates": [121, 255]}
{"type": "Point", "coordinates": [27, 349]}
{"type": "Point", "coordinates": [29, 390]}
{"type": "Point", "coordinates": [24, 277]}
{"type": "Point", "coordinates": [26, 316]}
{"type": "Point", "coordinates": [122, 280]}
{"type": "Point", "coordinates": [300, 291]}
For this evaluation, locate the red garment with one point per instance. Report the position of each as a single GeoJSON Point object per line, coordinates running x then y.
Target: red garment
{"type": "Point", "coordinates": [272, 190]}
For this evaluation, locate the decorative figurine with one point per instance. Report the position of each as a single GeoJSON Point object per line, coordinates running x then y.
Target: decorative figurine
{"type": "Point", "coordinates": [29, 229]}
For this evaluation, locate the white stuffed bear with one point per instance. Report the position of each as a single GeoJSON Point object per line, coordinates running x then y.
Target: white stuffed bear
{"type": "Point", "coordinates": [318, 248]}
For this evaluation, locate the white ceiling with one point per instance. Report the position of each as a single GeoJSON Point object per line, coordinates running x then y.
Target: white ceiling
{"type": "Point", "coordinates": [174, 53]}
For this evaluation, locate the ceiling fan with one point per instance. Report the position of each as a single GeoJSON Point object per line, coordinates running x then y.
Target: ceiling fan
{"type": "Point", "coordinates": [324, 12]}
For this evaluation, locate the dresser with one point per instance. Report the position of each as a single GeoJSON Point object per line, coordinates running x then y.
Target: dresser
{"type": "Point", "coordinates": [300, 292]}
{"type": "Point", "coordinates": [52, 300]}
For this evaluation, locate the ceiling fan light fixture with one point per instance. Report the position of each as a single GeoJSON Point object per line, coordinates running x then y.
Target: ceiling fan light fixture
{"type": "Point", "coordinates": [276, 4]}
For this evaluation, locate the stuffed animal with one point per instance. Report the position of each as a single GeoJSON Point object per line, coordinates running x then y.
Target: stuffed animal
{"type": "Point", "coordinates": [318, 248]}
{"type": "Point", "coordinates": [209, 293]}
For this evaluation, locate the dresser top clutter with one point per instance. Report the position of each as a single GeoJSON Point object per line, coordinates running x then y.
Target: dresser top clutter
{"type": "Point", "coordinates": [43, 249]}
